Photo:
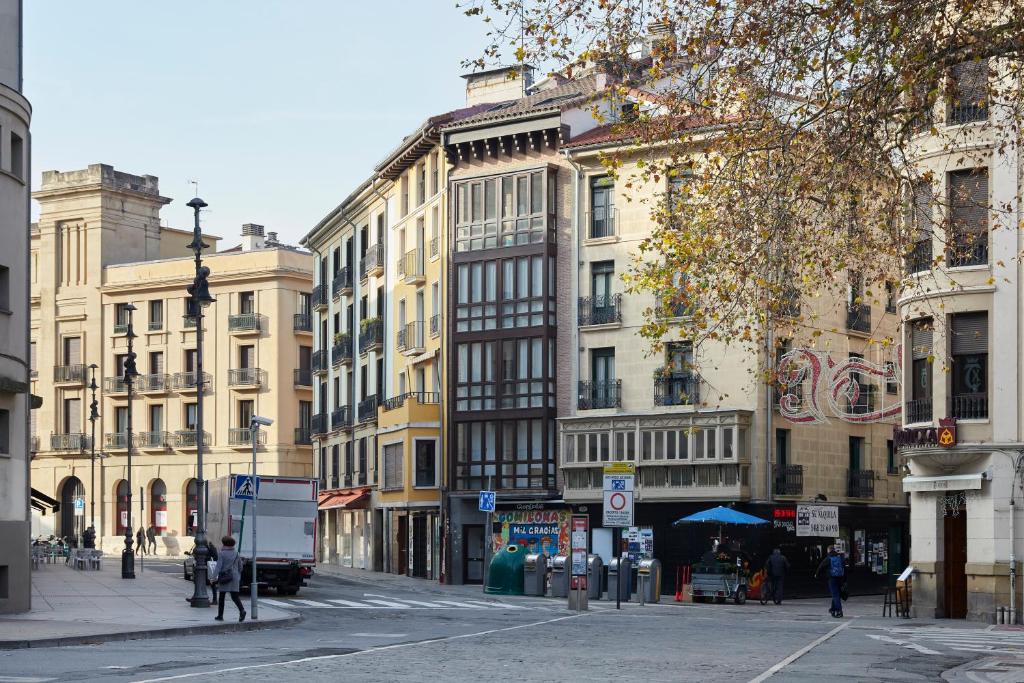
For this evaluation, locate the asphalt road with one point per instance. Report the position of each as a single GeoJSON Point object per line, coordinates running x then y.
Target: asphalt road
{"type": "Point", "coordinates": [416, 630]}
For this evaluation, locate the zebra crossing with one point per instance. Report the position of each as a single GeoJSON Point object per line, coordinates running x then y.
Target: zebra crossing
{"type": "Point", "coordinates": [933, 640]}
{"type": "Point", "coordinates": [373, 601]}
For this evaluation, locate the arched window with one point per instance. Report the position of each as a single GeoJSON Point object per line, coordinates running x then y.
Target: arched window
{"type": "Point", "coordinates": [158, 505]}
{"type": "Point", "coordinates": [191, 507]}
{"type": "Point", "coordinates": [72, 508]}
{"type": "Point", "coordinates": [121, 508]}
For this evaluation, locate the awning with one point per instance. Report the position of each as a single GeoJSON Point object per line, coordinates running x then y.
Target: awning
{"type": "Point", "coordinates": [951, 482]}
{"type": "Point", "coordinates": [351, 499]}
{"type": "Point", "coordinates": [42, 502]}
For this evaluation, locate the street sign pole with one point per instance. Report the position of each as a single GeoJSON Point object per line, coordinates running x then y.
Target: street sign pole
{"type": "Point", "coordinates": [254, 431]}
{"type": "Point", "coordinates": [618, 512]}
{"type": "Point", "coordinates": [486, 504]}
{"type": "Point", "coordinates": [617, 537]}
{"type": "Point", "coordinates": [145, 538]}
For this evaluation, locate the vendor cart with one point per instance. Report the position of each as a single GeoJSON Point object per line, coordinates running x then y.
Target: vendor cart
{"type": "Point", "coordinates": [719, 581]}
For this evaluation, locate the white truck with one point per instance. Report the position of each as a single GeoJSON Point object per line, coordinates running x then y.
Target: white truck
{"type": "Point", "coordinates": [286, 513]}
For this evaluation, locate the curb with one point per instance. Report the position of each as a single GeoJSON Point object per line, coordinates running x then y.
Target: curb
{"type": "Point", "coordinates": [149, 634]}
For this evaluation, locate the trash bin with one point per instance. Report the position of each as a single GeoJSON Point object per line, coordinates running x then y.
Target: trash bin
{"type": "Point", "coordinates": [649, 580]}
{"type": "Point", "coordinates": [595, 576]}
{"type": "Point", "coordinates": [620, 579]}
{"type": "Point", "coordinates": [560, 577]}
{"type": "Point", "coordinates": [535, 569]}
{"type": "Point", "coordinates": [505, 574]}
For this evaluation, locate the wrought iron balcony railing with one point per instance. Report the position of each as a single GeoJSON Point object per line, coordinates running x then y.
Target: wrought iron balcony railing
{"type": "Point", "coordinates": [372, 261]}
{"type": "Point", "coordinates": [918, 410]}
{"type": "Point", "coordinates": [958, 114]}
{"type": "Point", "coordinates": [341, 418]}
{"type": "Point", "coordinates": [318, 424]}
{"type": "Point", "coordinates": [676, 389]}
{"type": "Point", "coordinates": [789, 480]}
{"type": "Point", "coordinates": [600, 310]}
{"type": "Point", "coordinates": [600, 394]}
{"type": "Point", "coordinates": [116, 441]}
{"type": "Point", "coordinates": [371, 336]}
{"type": "Point", "coordinates": [189, 438]}
{"type": "Point", "coordinates": [120, 328]}
{"type": "Point", "coordinates": [154, 382]}
{"type": "Point", "coordinates": [319, 361]}
{"type": "Point", "coordinates": [860, 484]}
{"type": "Point", "coordinates": [368, 409]}
{"type": "Point", "coordinates": [114, 385]}
{"type": "Point", "coordinates": [318, 297]}
{"type": "Point", "coordinates": [244, 322]}
{"type": "Point", "coordinates": [422, 397]}
{"type": "Point", "coordinates": [303, 377]}
{"type": "Point", "coordinates": [342, 349]}
{"type": "Point", "coordinates": [242, 436]}
{"type": "Point", "coordinates": [410, 265]}
{"type": "Point", "coordinates": [189, 381]}
{"type": "Point", "coordinates": [410, 337]}
{"type": "Point", "coordinates": [919, 258]}
{"type": "Point", "coordinates": [302, 322]}
{"type": "Point", "coordinates": [152, 440]}
{"type": "Point", "coordinates": [303, 436]}
{"type": "Point", "coordinates": [969, 249]}
{"type": "Point", "coordinates": [858, 317]}
{"type": "Point", "coordinates": [970, 406]}
{"type": "Point", "coordinates": [69, 374]}
{"type": "Point", "coordinates": [71, 441]}
{"type": "Point", "coordinates": [156, 325]}
{"type": "Point", "coordinates": [342, 282]}
{"type": "Point", "coordinates": [247, 377]}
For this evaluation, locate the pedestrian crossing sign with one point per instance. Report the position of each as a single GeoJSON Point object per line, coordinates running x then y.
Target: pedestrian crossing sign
{"type": "Point", "coordinates": [245, 487]}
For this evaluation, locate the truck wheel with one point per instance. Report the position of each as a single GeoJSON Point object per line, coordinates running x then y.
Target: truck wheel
{"type": "Point", "coordinates": [741, 595]}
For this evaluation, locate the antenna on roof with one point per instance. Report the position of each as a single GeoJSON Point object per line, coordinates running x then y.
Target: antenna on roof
{"type": "Point", "coordinates": [195, 187]}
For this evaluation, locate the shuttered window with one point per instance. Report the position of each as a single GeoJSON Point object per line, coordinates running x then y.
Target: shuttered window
{"type": "Point", "coordinates": [968, 97]}
{"type": "Point", "coordinates": [919, 407]}
{"type": "Point", "coordinates": [969, 333]}
{"type": "Point", "coordinates": [921, 339]}
{"type": "Point", "coordinates": [919, 258]}
{"type": "Point", "coordinates": [968, 207]}
{"type": "Point", "coordinates": [393, 479]}
{"type": "Point", "coordinates": [969, 346]}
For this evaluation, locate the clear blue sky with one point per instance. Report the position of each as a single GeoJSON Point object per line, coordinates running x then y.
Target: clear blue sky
{"type": "Point", "coordinates": [278, 108]}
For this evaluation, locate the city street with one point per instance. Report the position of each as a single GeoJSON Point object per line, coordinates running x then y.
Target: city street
{"type": "Point", "coordinates": [381, 628]}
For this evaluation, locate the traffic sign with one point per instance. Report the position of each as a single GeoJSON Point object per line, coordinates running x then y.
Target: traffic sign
{"type": "Point", "coordinates": [79, 507]}
{"type": "Point", "coordinates": [619, 479]}
{"type": "Point", "coordinates": [487, 501]}
{"type": "Point", "coordinates": [245, 487]}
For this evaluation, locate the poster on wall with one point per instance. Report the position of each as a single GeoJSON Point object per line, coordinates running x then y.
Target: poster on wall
{"type": "Point", "coordinates": [161, 519]}
{"type": "Point", "coordinates": [859, 548]}
{"type": "Point", "coordinates": [536, 529]}
{"type": "Point", "coordinates": [640, 543]}
{"type": "Point", "coordinates": [817, 520]}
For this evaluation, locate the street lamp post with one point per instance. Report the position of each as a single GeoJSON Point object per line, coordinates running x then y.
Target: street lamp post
{"type": "Point", "coordinates": [130, 372]}
{"type": "Point", "coordinates": [199, 297]}
{"type": "Point", "coordinates": [94, 415]}
{"type": "Point", "coordinates": [254, 432]}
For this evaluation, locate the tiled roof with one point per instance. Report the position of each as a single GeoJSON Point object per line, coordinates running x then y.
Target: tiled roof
{"type": "Point", "coordinates": [618, 133]}
{"type": "Point", "coordinates": [552, 100]}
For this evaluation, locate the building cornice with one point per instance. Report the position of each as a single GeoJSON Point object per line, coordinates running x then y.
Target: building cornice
{"type": "Point", "coordinates": [93, 188]}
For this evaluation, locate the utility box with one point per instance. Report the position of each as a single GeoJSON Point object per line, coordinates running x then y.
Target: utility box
{"type": "Point", "coordinates": [535, 570]}
{"type": "Point", "coordinates": [648, 583]}
{"type": "Point", "coordinates": [620, 579]}
{"type": "Point", "coordinates": [560, 576]}
{"type": "Point", "coordinates": [595, 576]}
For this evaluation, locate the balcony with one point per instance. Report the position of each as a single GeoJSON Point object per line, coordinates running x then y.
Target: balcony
{"type": "Point", "coordinates": [371, 335]}
{"type": "Point", "coordinates": [247, 378]}
{"type": "Point", "coordinates": [970, 406]}
{"type": "Point", "coordinates": [341, 418]}
{"type": "Point", "coordinates": [187, 382]}
{"type": "Point", "coordinates": [676, 389]}
{"type": "Point", "coordinates": [342, 283]}
{"type": "Point", "coordinates": [244, 323]}
{"type": "Point", "coordinates": [435, 325]}
{"type": "Point", "coordinates": [600, 310]}
{"type": "Point", "coordinates": [318, 298]}
{"type": "Point", "coordinates": [918, 410]}
{"type": "Point", "coordinates": [153, 441]}
{"type": "Point", "coordinates": [72, 441]}
{"type": "Point", "coordinates": [604, 227]}
{"type": "Point", "coordinates": [860, 484]}
{"type": "Point", "coordinates": [117, 441]}
{"type": "Point", "coordinates": [156, 325]}
{"type": "Point", "coordinates": [319, 362]}
{"type": "Point", "coordinates": [596, 395]}
{"type": "Point", "coordinates": [188, 322]}
{"type": "Point", "coordinates": [120, 329]}
{"type": "Point", "coordinates": [341, 352]}
{"type": "Point", "coordinates": [114, 385]}
{"type": "Point", "coordinates": [919, 259]}
{"type": "Point", "coordinates": [303, 436]}
{"type": "Point", "coordinates": [435, 247]}
{"type": "Point", "coordinates": [242, 436]}
{"type": "Point", "coordinates": [318, 424]}
{"type": "Point", "coordinates": [373, 262]}
{"type": "Point", "coordinates": [410, 267]}
{"type": "Point", "coordinates": [858, 318]}
{"type": "Point", "coordinates": [69, 374]}
{"type": "Point", "coordinates": [156, 383]}
{"type": "Point", "coordinates": [789, 480]}
{"type": "Point", "coordinates": [410, 338]}
{"type": "Point", "coordinates": [368, 409]}
{"type": "Point", "coordinates": [969, 249]}
{"type": "Point", "coordinates": [303, 377]}
{"type": "Point", "coordinates": [189, 438]}
{"type": "Point", "coordinates": [302, 322]}
{"type": "Point", "coordinates": [422, 397]}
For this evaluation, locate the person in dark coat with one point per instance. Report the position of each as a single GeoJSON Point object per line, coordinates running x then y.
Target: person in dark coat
{"type": "Point", "coordinates": [151, 538]}
{"type": "Point", "coordinates": [229, 567]}
{"type": "Point", "coordinates": [835, 564]}
{"type": "Point", "coordinates": [140, 542]}
{"type": "Point", "coordinates": [89, 538]}
{"type": "Point", "coordinates": [777, 566]}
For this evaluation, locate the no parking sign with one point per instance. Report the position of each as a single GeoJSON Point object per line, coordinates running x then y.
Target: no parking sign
{"type": "Point", "coordinates": [618, 494]}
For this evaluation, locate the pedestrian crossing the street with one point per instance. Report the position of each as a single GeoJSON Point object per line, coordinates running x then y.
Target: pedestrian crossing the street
{"type": "Point", "coordinates": [385, 602]}
{"type": "Point", "coordinates": [937, 640]}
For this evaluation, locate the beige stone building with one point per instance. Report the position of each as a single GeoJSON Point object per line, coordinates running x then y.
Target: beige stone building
{"type": "Point", "coordinates": [15, 113]}
{"type": "Point", "coordinates": [98, 248]}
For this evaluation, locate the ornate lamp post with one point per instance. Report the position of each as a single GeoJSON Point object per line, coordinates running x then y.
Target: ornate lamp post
{"type": "Point", "coordinates": [199, 298]}
{"type": "Point", "coordinates": [130, 372]}
{"type": "Point", "coordinates": [94, 415]}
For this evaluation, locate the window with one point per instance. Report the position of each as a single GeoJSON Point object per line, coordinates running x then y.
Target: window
{"type": "Point", "coordinates": [121, 420]}
{"type": "Point", "coordinates": [919, 408]}
{"type": "Point", "coordinates": [919, 258]}
{"type": "Point", "coordinates": [892, 385]}
{"type": "Point", "coordinates": [425, 463]}
{"type": "Point", "coordinates": [393, 479]}
{"type": "Point", "coordinates": [435, 232]}
{"type": "Point", "coordinates": [246, 356]}
{"type": "Point", "coordinates": [404, 184]}
{"type": "Point", "coordinates": [156, 362]}
{"type": "Point", "coordinates": [305, 303]}
{"type": "Point", "coordinates": [245, 412]}
{"type": "Point", "coordinates": [517, 203]}
{"type": "Point", "coordinates": [156, 315]}
{"type": "Point", "coordinates": [476, 296]}
{"type": "Point", "coordinates": [968, 214]}
{"type": "Point", "coordinates": [17, 156]}
{"type": "Point", "coordinates": [856, 451]}
{"type": "Point", "coordinates": [305, 414]}
{"type": "Point", "coordinates": [782, 447]}
{"type": "Point", "coordinates": [305, 357]}
{"type": "Point", "coordinates": [191, 357]}
{"type": "Point", "coordinates": [602, 207]}
{"type": "Point", "coordinates": [121, 317]}
{"type": "Point", "coordinates": [890, 458]}
{"type": "Point", "coordinates": [474, 376]}
{"type": "Point", "coordinates": [72, 350]}
{"type": "Point", "coordinates": [5, 432]}
{"type": "Point", "coordinates": [5, 289]}
{"type": "Point", "coordinates": [891, 294]}
{"type": "Point", "coordinates": [72, 415]}
{"type": "Point", "coordinates": [246, 303]}
{"type": "Point", "coordinates": [676, 383]}
{"type": "Point", "coordinates": [968, 96]}
{"type": "Point", "coordinates": [435, 173]}
{"type": "Point", "coordinates": [191, 416]}
{"type": "Point", "coordinates": [156, 418]}
{"type": "Point", "coordinates": [421, 184]}
{"type": "Point", "coordinates": [505, 454]}
{"type": "Point", "coordinates": [350, 463]}
{"type": "Point", "coordinates": [602, 273]}
{"type": "Point", "coordinates": [33, 369]}
{"type": "Point", "coordinates": [335, 464]}
{"type": "Point", "coordinates": [362, 461]}
{"type": "Point", "coordinates": [969, 347]}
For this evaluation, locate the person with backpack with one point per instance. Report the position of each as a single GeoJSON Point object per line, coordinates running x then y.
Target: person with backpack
{"type": "Point", "coordinates": [229, 576]}
{"type": "Point", "coordinates": [834, 562]}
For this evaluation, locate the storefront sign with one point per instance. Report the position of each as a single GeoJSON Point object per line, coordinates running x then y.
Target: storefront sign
{"type": "Point", "coordinates": [943, 436]}
{"type": "Point", "coordinates": [951, 482]}
{"type": "Point", "coordinates": [579, 545]}
{"type": "Point", "coordinates": [784, 518]}
{"type": "Point", "coordinates": [538, 531]}
{"type": "Point", "coordinates": [817, 520]}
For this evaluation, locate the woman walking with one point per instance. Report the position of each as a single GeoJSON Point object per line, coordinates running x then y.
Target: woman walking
{"type": "Point", "coordinates": [229, 575]}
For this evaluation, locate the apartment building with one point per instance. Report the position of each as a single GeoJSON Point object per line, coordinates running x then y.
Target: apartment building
{"type": "Point", "coordinates": [98, 251]}
{"type": "Point", "coordinates": [15, 401]}
{"type": "Point", "coordinates": [961, 310]}
{"type": "Point", "coordinates": [699, 424]}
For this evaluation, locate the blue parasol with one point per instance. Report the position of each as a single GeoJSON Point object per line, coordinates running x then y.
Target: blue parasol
{"type": "Point", "coordinates": [720, 515]}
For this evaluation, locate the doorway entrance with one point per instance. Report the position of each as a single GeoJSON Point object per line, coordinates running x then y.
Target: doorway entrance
{"type": "Point", "coordinates": [72, 519]}
{"type": "Point", "coordinates": [955, 564]}
{"type": "Point", "coordinates": [473, 553]}
{"type": "Point", "coordinates": [403, 544]}
{"type": "Point", "coordinates": [419, 546]}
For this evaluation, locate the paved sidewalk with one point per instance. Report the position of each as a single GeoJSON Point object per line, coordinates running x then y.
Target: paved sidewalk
{"type": "Point", "coordinates": [74, 607]}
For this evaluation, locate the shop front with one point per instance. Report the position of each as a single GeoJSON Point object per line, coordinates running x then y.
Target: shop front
{"type": "Point", "coordinates": [346, 527]}
{"type": "Point", "coordinates": [413, 540]}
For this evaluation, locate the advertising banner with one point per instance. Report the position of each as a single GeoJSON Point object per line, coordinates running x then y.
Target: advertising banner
{"type": "Point", "coordinates": [817, 520]}
{"type": "Point", "coordinates": [534, 528]}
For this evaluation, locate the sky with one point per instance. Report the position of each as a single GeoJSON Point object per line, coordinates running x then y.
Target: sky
{"type": "Point", "coordinates": [279, 109]}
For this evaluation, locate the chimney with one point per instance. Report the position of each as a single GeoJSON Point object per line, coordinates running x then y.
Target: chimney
{"type": "Point", "coordinates": [252, 237]}
{"type": "Point", "coordinates": [498, 84]}
{"type": "Point", "coordinates": [271, 238]}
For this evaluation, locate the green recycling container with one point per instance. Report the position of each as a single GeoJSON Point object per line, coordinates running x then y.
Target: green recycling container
{"type": "Point", "coordinates": [505, 574]}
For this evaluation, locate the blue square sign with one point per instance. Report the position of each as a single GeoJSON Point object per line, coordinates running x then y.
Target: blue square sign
{"type": "Point", "coordinates": [487, 501]}
{"type": "Point", "coordinates": [245, 487]}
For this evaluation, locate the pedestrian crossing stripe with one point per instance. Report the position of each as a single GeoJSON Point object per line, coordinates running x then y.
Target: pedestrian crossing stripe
{"type": "Point", "coordinates": [392, 603]}
{"type": "Point", "coordinates": [963, 639]}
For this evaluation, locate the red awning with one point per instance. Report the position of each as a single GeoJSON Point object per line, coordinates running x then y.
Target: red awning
{"type": "Point", "coordinates": [351, 499]}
